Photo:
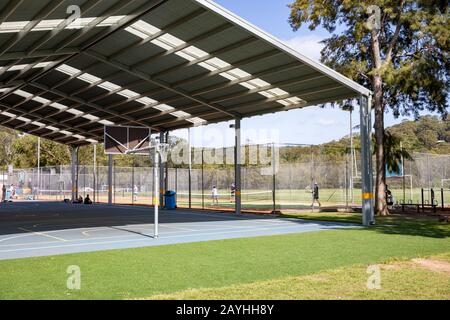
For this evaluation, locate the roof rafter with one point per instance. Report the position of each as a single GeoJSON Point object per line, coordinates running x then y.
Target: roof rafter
{"type": "Point", "coordinates": [160, 83]}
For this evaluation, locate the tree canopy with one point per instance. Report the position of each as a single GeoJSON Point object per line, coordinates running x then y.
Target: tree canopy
{"type": "Point", "coordinates": [398, 48]}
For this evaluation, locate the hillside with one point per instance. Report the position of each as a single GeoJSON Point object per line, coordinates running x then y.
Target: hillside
{"type": "Point", "coordinates": [429, 134]}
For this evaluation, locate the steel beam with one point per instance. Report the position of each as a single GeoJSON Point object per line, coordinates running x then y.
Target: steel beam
{"type": "Point", "coordinates": [211, 55]}
{"type": "Point", "coordinates": [37, 117]}
{"type": "Point", "coordinates": [153, 81]}
{"type": "Point", "coordinates": [19, 55]}
{"type": "Point", "coordinates": [301, 94]}
{"type": "Point", "coordinates": [237, 166]}
{"type": "Point", "coordinates": [368, 217]}
{"type": "Point", "coordinates": [44, 12]}
{"type": "Point", "coordinates": [164, 30]}
{"type": "Point", "coordinates": [9, 9]}
{"type": "Point", "coordinates": [74, 172]}
{"type": "Point", "coordinates": [144, 9]}
{"type": "Point", "coordinates": [162, 186]}
{"type": "Point", "coordinates": [92, 105]}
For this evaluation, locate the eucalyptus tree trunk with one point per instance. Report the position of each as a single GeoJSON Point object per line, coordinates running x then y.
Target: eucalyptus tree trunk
{"type": "Point", "coordinates": [380, 184]}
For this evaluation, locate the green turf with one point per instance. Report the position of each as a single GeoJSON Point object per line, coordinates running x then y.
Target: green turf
{"type": "Point", "coordinates": [399, 280]}
{"type": "Point", "coordinates": [143, 272]}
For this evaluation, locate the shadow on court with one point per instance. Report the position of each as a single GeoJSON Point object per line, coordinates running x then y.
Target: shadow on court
{"type": "Point", "coordinates": [29, 229]}
{"type": "Point", "coordinates": [49, 216]}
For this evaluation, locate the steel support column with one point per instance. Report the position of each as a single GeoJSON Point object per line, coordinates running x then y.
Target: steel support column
{"type": "Point", "coordinates": [94, 184]}
{"type": "Point", "coordinates": [162, 178]}
{"type": "Point", "coordinates": [237, 165]}
{"type": "Point", "coordinates": [74, 172]}
{"type": "Point", "coordinates": [366, 161]}
{"type": "Point", "coordinates": [110, 179]}
{"type": "Point", "coordinates": [190, 168]}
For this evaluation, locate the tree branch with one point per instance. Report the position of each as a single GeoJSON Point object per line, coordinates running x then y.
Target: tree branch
{"type": "Point", "coordinates": [395, 37]}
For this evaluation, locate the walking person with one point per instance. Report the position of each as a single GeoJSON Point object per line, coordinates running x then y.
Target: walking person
{"type": "Point", "coordinates": [315, 193]}
{"type": "Point", "coordinates": [215, 196]}
{"type": "Point", "coordinates": [135, 193]}
{"type": "Point", "coordinates": [232, 192]}
{"type": "Point", "coordinates": [3, 193]}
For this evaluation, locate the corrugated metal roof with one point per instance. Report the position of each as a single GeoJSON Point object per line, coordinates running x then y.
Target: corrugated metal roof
{"type": "Point", "coordinates": [162, 64]}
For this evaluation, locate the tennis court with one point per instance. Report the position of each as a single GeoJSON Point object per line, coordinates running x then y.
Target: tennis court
{"type": "Point", "coordinates": [30, 229]}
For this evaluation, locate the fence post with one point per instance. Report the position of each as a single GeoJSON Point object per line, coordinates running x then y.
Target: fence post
{"type": "Point", "coordinates": [442, 199]}
{"type": "Point", "coordinates": [423, 207]}
{"type": "Point", "coordinates": [203, 186]}
{"type": "Point", "coordinates": [190, 170]}
{"type": "Point", "coordinates": [94, 174]}
{"type": "Point", "coordinates": [274, 210]}
{"type": "Point", "coordinates": [132, 182]}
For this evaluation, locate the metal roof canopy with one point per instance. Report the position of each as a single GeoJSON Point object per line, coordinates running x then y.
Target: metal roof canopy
{"type": "Point", "coordinates": [164, 64]}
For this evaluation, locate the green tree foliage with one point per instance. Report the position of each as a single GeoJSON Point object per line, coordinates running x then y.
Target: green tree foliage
{"type": "Point", "coordinates": [394, 152]}
{"type": "Point", "coordinates": [399, 49]}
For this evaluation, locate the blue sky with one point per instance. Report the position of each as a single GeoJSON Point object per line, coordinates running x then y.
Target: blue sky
{"type": "Point", "coordinates": [311, 125]}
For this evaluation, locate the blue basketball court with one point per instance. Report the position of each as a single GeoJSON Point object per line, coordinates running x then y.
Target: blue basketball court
{"type": "Point", "coordinates": [32, 229]}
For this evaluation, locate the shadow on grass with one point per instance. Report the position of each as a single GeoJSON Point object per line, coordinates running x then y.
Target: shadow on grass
{"type": "Point", "coordinates": [413, 227]}
{"type": "Point", "coordinates": [396, 225]}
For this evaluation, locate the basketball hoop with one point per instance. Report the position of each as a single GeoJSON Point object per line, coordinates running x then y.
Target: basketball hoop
{"type": "Point", "coordinates": [137, 140]}
{"type": "Point", "coordinates": [127, 140]}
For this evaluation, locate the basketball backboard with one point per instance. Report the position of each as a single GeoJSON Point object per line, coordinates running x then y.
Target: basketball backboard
{"type": "Point", "coordinates": [125, 140]}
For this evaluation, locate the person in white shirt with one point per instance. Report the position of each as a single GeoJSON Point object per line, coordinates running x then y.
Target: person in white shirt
{"type": "Point", "coordinates": [135, 193]}
{"type": "Point", "coordinates": [215, 195]}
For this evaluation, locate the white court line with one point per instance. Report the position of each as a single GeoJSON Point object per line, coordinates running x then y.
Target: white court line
{"type": "Point", "coordinates": [42, 234]}
{"type": "Point", "coordinates": [200, 228]}
{"type": "Point", "coordinates": [16, 237]}
{"type": "Point", "coordinates": [141, 239]}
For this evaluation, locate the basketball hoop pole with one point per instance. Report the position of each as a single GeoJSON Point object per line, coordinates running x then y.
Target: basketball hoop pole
{"type": "Point", "coordinates": [156, 188]}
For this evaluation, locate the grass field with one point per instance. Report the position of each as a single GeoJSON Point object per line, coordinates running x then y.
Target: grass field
{"type": "Point", "coordinates": [267, 265]}
{"type": "Point", "coordinates": [404, 280]}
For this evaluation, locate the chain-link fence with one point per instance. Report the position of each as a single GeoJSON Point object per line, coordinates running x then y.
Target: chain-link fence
{"type": "Point", "coordinates": [286, 185]}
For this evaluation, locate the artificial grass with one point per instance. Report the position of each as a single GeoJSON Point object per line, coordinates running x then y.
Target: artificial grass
{"type": "Point", "coordinates": [143, 272]}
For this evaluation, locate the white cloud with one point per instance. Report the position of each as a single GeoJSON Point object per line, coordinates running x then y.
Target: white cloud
{"type": "Point", "coordinates": [308, 45]}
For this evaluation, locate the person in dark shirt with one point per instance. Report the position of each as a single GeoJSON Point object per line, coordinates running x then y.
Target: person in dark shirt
{"type": "Point", "coordinates": [315, 193]}
{"type": "Point", "coordinates": [87, 200]}
{"type": "Point", "coordinates": [232, 192]}
{"type": "Point", "coordinates": [389, 197]}
{"type": "Point", "coordinates": [3, 193]}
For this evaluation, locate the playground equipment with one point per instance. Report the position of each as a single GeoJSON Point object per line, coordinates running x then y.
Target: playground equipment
{"type": "Point", "coordinates": [430, 201]}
